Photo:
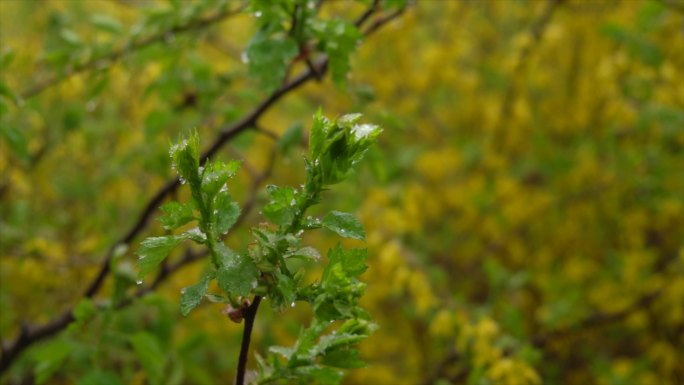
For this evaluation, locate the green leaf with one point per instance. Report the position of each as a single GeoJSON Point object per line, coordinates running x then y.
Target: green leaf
{"type": "Point", "coordinates": [215, 176]}
{"type": "Point", "coordinates": [317, 135]}
{"type": "Point", "coordinates": [281, 209]}
{"type": "Point", "coordinates": [291, 138]}
{"type": "Point", "coordinates": [344, 224]}
{"type": "Point", "coordinates": [154, 250]}
{"type": "Point", "coordinates": [287, 291]}
{"type": "Point", "coordinates": [226, 212]}
{"type": "Point", "coordinates": [336, 146]}
{"type": "Point", "coordinates": [353, 261]}
{"type": "Point", "coordinates": [339, 340]}
{"type": "Point", "coordinates": [344, 264]}
{"type": "Point", "coordinates": [151, 356]}
{"type": "Point", "coordinates": [349, 120]}
{"type": "Point", "coordinates": [343, 358]}
{"type": "Point", "coordinates": [358, 326]}
{"type": "Point", "coordinates": [268, 59]}
{"type": "Point", "coordinates": [340, 39]}
{"type": "Point", "coordinates": [237, 273]}
{"type": "Point", "coordinates": [321, 374]}
{"type": "Point", "coordinates": [306, 253]}
{"type": "Point", "coordinates": [176, 215]}
{"type": "Point", "coordinates": [191, 296]}
{"type": "Point", "coordinates": [196, 234]}
{"type": "Point", "coordinates": [106, 23]}
{"type": "Point", "coordinates": [185, 156]}
{"type": "Point", "coordinates": [283, 351]}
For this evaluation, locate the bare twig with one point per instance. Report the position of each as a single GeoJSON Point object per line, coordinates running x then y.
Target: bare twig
{"type": "Point", "coordinates": [246, 338]}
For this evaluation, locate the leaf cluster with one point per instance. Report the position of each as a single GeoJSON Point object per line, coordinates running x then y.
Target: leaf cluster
{"type": "Point", "coordinates": [271, 266]}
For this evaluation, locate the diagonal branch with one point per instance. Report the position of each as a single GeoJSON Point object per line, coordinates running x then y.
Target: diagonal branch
{"type": "Point", "coordinates": [29, 335]}
{"type": "Point", "coordinates": [108, 59]}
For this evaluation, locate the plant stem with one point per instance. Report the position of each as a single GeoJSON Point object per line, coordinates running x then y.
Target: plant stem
{"type": "Point", "coordinates": [246, 337]}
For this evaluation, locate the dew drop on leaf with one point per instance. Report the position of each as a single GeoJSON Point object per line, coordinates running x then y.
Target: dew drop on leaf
{"type": "Point", "coordinates": [139, 282]}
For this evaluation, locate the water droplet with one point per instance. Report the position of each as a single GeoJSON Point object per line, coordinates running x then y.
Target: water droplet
{"type": "Point", "coordinates": [293, 202]}
{"type": "Point", "coordinates": [292, 304]}
{"type": "Point", "coordinates": [139, 282]}
{"type": "Point", "coordinates": [363, 130]}
{"type": "Point", "coordinates": [343, 231]}
{"type": "Point", "coordinates": [257, 13]}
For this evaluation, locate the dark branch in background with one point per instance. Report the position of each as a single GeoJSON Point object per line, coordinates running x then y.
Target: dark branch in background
{"type": "Point", "coordinates": [28, 334]}
{"type": "Point", "coordinates": [99, 62]}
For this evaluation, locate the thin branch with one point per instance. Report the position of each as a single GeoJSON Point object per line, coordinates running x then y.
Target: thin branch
{"type": "Point", "coordinates": [250, 315]}
{"type": "Point", "coordinates": [379, 22]}
{"type": "Point", "coordinates": [266, 133]}
{"type": "Point", "coordinates": [29, 335]}
{"type": "Point", "coordinates": [369, 12]}
{"type": "Point", "coordinates": [106, 60]}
